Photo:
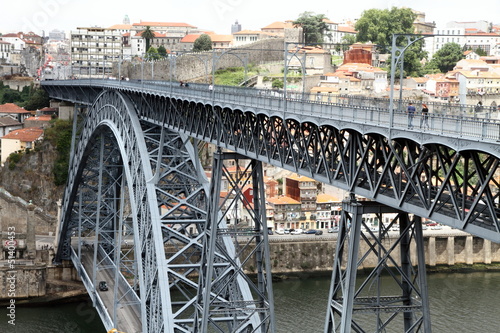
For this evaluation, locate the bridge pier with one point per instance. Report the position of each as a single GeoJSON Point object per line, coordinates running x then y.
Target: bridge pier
{"type": "Point", "coordinates": [226, 304]}
{"type": "Point", "coordinates": [396, 285]}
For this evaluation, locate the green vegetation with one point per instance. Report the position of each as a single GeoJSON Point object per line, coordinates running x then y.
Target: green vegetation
{"type": "Point", "coordinates": [162, 52]}
{"type": "Point", "coordinates": [59, 135]}
{"type": "Point", "coordinates": [378, 26]}
{"type": "Point", "coordinates": [29, 97]}
{"type": "Point", "coordinates": [234, 76]}
{"type": "Point", "coordinates": [446, 58]}
{"type": "Point", "coordinates": [313, 26]}
{"type": "Point", "coordinates": [277, 83]}
{"type": "Point", "coordinates": [14, 158]}
{"type": "Point", "coordinates": [148, 34]}
{"type": "Point", "coordinates": [202, 43]}
{"type": "Point", "coordinates": [152, 54]}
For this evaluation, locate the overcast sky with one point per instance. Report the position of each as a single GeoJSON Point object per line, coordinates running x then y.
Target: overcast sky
{"type": "Point", "coordinates": [218, 15]}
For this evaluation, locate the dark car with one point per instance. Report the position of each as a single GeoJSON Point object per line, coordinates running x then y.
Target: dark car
{"type": "Point", "coordinates": [103, 286]}
{"type": "Point", "coordinates": [318, 232]}
{"type": "Point", "coordinates": [310, 231]}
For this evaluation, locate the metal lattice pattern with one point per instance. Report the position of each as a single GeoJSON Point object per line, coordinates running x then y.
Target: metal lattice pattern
{"type": "Point", "coordinates": [393, 295]}
{"type": "Point", "coordinates": [137, 202]}
{"type": "Point", "coordinates": [455, 188]}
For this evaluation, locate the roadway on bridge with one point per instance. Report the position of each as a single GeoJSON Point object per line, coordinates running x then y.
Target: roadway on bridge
{"type": "Point", "coordinates": [128, 317]}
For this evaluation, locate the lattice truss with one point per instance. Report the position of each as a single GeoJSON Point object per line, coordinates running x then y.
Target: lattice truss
{"type": "Point", "coordinates": [433, 181]}
{"type": "Point", "coordinates": [228, 301]}
{"type": "Point", "coordinates": [227, 304]}
{"type": "Point", "coordinates": [393, 295]}
{"type": "Point", "coordinates": [136, 203]}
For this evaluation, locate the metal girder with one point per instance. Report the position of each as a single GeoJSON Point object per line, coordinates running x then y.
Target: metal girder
{"type": "Point", "coordinates": [226, 304]}
{"type": "Point", "coordinates": [134, 214]}
{"type": "Point", "coordinates": [395, 288]}
{"type": "Point", "coordinates": [456, 187]}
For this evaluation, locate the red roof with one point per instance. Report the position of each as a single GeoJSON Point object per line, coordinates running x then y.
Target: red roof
{"type": "Point", "coordinates": [29, 134]}
{"type": "Point", "coordinates": [189, 38]}
{"type": "Point", "coordinates": [12, 108]}
{"type": "Point", "coordinates": [40, 118]}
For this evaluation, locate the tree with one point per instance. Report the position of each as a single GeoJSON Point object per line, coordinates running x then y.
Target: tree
{"type": "Point", "coordinates": [39, 100]}
{"type": "Point", "coordinates": [379, 25]}
{"type": "Point", "coordinates": [277, 83]}
{"type": "Point", "coordinates": [162, 52]}
{"type": "Point", "coordinates": [480, 52]}
{"type": "Point", "coordinates": [152, 54]}
{"type": "Point", "coordinates": [313, 26]}
{"type": "Point", "coordinates": [148, 34]}
{"type": "Point", "coordinates": [446, 58]}
{"type": "Point", "coordinates": [347, 40]}
{"type": "Point", "coordinates": [202, 43]}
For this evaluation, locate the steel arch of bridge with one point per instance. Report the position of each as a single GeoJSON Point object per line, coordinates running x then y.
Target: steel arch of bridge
{"type": "Point", "coordinates": [137, 201]}
{"type": "Point", "coordinates": [457, 187]}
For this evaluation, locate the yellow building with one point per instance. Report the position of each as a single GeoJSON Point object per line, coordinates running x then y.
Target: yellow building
{"type": "Point", "coordinates": [20, 140]}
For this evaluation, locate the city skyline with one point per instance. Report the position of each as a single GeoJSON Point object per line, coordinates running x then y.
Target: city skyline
{"type": "Point", "coordinates": [43, 16]}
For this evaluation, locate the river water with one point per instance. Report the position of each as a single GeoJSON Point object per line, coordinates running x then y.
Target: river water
{"type": "Point", "coordinates": [460, 302]}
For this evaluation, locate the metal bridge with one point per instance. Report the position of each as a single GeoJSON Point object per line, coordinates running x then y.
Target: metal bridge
{"type": "Point", "coordinates": [139, 212]}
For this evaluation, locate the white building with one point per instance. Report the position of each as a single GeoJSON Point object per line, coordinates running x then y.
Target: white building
{"type": "Point", "coordinates": [5, 49]}
{"type": "Point", "coordinates": [93, 51]}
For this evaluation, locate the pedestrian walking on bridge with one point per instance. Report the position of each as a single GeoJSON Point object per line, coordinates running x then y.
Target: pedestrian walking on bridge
{"type": "Point", "coordinates": [424, 121]}
{"type": "Point", "coordinates": [411, 114]}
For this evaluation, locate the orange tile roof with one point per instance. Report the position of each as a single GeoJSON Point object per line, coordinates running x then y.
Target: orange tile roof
{"type": "Point", "coordinates": [29, 134]}
{"type": "Point", "coordinates": [279, 25]}
{"type": "Point", "coordinates": [325, 198]}
{"type": "Point", "coordinates": [221, 38]}
{"type": "Point", "coordinates": [300, 178]}
{"type": "Point", "coordinates": [40, 118]}
{"type": "Point", "coordinates": [12, 108]}
{"type": "Point", "coordinates": [120, 27]}
{"type": "Point", "coordinates": [346, 29]}
{"type": "Point", "coordinates": [283, 200]}
{"type": "Point", "coordinates": [190, 38]}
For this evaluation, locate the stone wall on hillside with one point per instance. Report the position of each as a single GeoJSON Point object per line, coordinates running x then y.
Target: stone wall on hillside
{"type": "Point", "coordinates": [198, 66]}
{"type": "Point", "coordinates": [290, 256]}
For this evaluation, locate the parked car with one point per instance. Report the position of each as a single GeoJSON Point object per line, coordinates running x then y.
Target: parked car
{"type": "Point", "coordinates": [318, 232]}
{"type": "Point", "coordinates": [310, 231]}
{"type": "Point", "coordinates": [296, 232]}
{"type": "Point", "coordinates": [280, 232]}
{"type": "Point", "coordinates": [269, 232]}
{"type": "Point", "coordinates": [334, 229]}
{"type": "Point", "coordinates": [287, 231]}
{"type": "Point", "coordinates": [103, 286]}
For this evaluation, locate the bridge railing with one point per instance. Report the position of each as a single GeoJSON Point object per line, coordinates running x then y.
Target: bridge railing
{"type": "Point", "coordinates": [462, 122]}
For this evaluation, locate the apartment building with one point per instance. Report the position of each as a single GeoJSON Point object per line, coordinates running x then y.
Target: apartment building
{"type": "Point", "coordinates": [93, 51]}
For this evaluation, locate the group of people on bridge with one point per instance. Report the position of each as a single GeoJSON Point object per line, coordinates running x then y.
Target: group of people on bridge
{"type": "Point", "coordinates": [424, 120]}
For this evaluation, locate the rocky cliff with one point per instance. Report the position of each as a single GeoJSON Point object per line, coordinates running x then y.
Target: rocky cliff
{"type": "Point", "coordinates": [31, 178]}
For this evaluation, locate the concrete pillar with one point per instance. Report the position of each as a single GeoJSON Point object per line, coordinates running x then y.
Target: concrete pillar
{"type": "Point", "coordinates": [487, 251]}
{"type": "Point", "coordinates": [58, 224]}
{"type": "Point", "coordinates": [432, 251]}
{"type": "Point", "coordinates": [1, 235]}
{"type": "Point", "coordinates": [450, 250]}
{"type": "Point", "coordinates": [469, 251]}
{"type": "Point", "coordinates": [30, 231]}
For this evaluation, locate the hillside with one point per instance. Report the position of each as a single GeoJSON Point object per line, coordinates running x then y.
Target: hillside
{"type": "Point", "coordinates": [32, 178]}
